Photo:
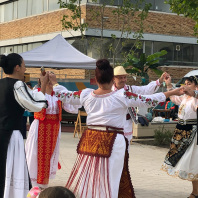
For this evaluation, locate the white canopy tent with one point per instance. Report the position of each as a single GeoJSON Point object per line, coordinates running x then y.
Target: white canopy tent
{"type": "Point", "coordinates": [58, 53]}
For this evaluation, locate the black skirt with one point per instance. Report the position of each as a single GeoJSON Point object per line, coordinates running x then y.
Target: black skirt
{"type": "Point", "coordinates": [182, 138]}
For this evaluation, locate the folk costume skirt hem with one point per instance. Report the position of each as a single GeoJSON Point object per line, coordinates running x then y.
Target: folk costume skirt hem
{"type": "Point", "coordinates": [17, 179]}
{"type": "Point", "coordinates": [97, 176]}
{"type": "Point", "coordinates": [187, 166]}
{"type": "Point", "coordinates": [31, 148]}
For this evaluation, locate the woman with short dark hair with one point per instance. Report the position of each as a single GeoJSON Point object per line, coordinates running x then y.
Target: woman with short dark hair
{"type": "Point", "coordinates": [101, 169]}
{"type": "Point", "coordinates": [15, 97]}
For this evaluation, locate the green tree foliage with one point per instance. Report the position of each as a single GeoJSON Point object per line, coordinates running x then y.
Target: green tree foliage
{"type": "Point", "coordinates": [189, 8]}
{"type": "Point", "coordinates": [122, 13]}
{"type": "Point", "coordinates": [75, 23]}
{"type": "Point", "coordinates": [140, 66]}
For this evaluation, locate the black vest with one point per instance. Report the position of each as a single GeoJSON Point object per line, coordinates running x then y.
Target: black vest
{"type": "Point", "coordinates": [11, 112]}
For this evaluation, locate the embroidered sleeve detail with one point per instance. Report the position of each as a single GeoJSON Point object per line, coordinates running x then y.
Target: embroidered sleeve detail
{"type": "Point", "coordinates": [131, 95]}
{"type": "Point", "coordinates": [149, 101]}
{"type": "Point", "coordinates": [158, 83]}
{"type": "Point", "coordinates": [77, 94]}
{"type": "Point", "coordinates": [63, 95]}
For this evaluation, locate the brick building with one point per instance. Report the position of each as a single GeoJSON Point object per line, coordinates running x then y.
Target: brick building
{"type": "Point", "coordinates": [26, 24]}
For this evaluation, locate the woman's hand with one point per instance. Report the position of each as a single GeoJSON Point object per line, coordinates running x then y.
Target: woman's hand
{"type": "Point", "coordinates": [163, 76]}
{"type": "Point", "coordinates": [44, 79]}
{"type": "Point", "coordinates": [52, 78]}
{"type": "Point", "coordinates": [178, 92]}
{"type": "Point", "coordinates": [188, 91]}
{"type": "Point", "coordinates": [167, 80]}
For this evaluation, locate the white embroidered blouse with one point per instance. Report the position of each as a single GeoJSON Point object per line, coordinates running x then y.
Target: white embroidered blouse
{"type": "Point", "coordinates": [53, 105]}
{"type": "Point", "coordinates": [187, 106]}
{"type": "Point", "coordinates": [108, 109]}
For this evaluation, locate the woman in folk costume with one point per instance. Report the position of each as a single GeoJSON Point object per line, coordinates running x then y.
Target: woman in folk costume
{"type": "Point", "coordinates": [42, 145]}
{"type": "Point", "coordinates": [181, 159]}
{"type": "Point", "coordinates": [101, 169]}
{"type": "Point", "coordinates": [15, 97]}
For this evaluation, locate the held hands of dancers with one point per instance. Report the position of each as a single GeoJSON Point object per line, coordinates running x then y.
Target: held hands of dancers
{"type": "Point", "coordinates": [167, 80]}
{"type": "Point", "coordinates": [188, 91]}
{"type": "Point", "coordinates": [44, 76]}
{"type": "Point", "coordinates": [178, 92]}
{"type": "Point", "coordinates": [53, 80]}
{"type": "Point", "coordinates": [44, 79]}
{"type": "Point", "coordinates": [163, 77]}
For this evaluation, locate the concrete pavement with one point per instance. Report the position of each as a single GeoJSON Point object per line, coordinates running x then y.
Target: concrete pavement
{"type": "Point", "coordinates": [145, 163]}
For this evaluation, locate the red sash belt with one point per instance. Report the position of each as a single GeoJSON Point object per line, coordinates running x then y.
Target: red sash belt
{"type": "Point", "coordinates": [47, 137]}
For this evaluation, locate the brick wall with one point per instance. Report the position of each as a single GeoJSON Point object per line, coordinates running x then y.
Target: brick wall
{"type": "Point", "coordinates": [35, 25]}
{"type": "Point", "coordinates": [159, 23]}
{"type": "Point", "coordinates": [175, 72]}
{"type": "Point", "coordinates": [63, 74]}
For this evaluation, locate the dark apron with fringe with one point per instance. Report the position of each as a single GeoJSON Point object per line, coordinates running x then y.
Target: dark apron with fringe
{"type": "Point", "coordinates": [184, 134]}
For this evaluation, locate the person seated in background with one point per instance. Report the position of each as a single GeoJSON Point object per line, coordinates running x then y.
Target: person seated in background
{"type": "Point", "coordinates": [174, 108]}
{"type": "Point", "coordinates": [51, 192]}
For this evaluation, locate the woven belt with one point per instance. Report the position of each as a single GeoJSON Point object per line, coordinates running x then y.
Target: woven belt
{"type": "Point", "coordinates": [185, 122]}
{"type": "Point", "coordinates": [106, 128]}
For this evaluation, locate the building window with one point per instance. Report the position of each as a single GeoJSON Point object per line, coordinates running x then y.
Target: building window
{"type": "Point", "coordinates": [37, 7]}
{"type": "Point", "coordinates": [22, 8]}
{"type": "Point", "coordinates": [178, 53]}
{"type": "Point", "coordinates": [8, 12]}
{"type": "Point", "coordinates": [29, 7]}
{"type": "Point", "coordinates": [53, 5]}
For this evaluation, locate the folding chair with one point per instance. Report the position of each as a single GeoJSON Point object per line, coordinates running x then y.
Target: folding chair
{"type": "Point", "coordinates": [79, 126]}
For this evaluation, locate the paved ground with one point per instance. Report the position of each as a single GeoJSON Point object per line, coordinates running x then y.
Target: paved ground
{"type": "Point", "coordinates": [145, 162]}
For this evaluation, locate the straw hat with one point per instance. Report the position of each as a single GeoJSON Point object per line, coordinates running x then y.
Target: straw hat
{"type": "Point", "coordinates": [119, 70]}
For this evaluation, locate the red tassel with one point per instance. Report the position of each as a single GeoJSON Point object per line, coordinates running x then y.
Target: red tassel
{"type": "Point", "coordinates": [59, 166]}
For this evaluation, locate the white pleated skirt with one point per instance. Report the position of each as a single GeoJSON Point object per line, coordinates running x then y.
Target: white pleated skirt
{"type": "Point", "coordinates": [187, 166]}
{"type": "Point", "coordinates": [31, 146]}
{"type": "Point", "coordinates": [98, 177]}
{"type": "Point", "coordinates": [17, 181]}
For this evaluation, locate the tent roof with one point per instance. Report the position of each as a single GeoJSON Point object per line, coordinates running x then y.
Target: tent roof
{"type": "Point", "coordinates": [58, 53]}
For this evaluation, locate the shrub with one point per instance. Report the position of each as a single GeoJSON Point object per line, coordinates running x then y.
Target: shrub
{"type": "Point", "coordinates": [162, 136]}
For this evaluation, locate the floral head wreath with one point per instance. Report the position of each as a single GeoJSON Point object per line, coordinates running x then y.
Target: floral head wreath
{"type": "Point", "coordinates": [195, 79]}
{"type": "Point", "coordinates": [34, 192]}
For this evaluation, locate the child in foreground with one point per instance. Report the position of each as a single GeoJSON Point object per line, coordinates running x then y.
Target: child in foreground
{"type": "Point", "coordinates": [50, 192]}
